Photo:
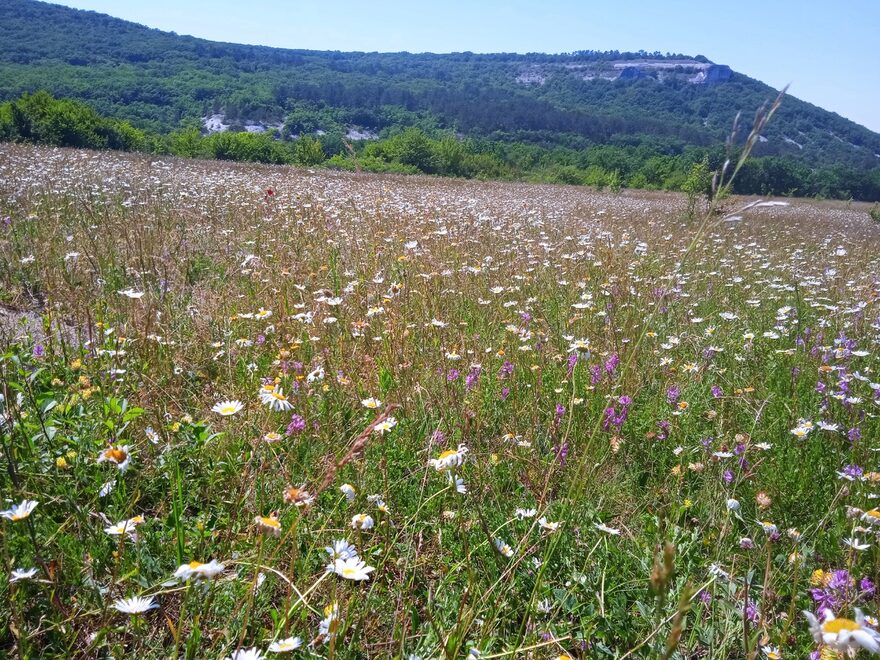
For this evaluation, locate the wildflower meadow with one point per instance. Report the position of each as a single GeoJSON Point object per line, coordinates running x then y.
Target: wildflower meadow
{"type": "Point", "coordinates": [250, 410]}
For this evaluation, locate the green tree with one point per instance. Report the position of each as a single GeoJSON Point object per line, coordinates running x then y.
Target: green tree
{"type": "Point", "coordinates": [698, 185]}
{"type": "Point", "coordinates": [308, 151]}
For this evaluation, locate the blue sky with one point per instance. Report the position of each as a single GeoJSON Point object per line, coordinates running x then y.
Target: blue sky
{"type": "Point", "coordinates": [828, 51]}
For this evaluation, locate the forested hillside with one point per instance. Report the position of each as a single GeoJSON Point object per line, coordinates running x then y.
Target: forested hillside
{"type": "Point", "coordinates": [532, 113]}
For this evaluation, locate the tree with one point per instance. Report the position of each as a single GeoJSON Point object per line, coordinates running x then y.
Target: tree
{"type": "Point", "coordinates": [697, 185]}
{"type": "Point", "coordinates": [308, 151]}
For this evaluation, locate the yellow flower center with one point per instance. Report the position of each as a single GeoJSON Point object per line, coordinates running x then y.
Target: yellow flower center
{"type": "Point", "coordinates": [446, 454]}
{"type": "Point", "coordinates": [115, 455]}
{"type": "Point", "coordinates": [839, 625]}
{"type": "Point", "coordinates": [195, 564]}
{"type": "Point", "coordinates": [270, 522]}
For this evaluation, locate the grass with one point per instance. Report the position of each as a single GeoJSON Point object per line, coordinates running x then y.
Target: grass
{"type": "Point", "coordinates": [457, 305]}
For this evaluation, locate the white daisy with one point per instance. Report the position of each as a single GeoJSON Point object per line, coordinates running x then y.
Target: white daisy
{"type": "Point", "coordinates": [352, 568]}
{"type": "Point", "coordinates": [20, 511]}
{"type": "Point", "coordinates": [196, 570]}
{"type": "Point", "coordinates": [135, 605]}
{"type": "Point", "coordinates": [844, 634]}
{"type": "Point", "coordinates": [602, 527]}
{"type": "Point", "coordinates": [227, 408]}
{"type": "Point", "coordinates": [22, 574]}
{"type": "Point", "coordinates": [285, 645]}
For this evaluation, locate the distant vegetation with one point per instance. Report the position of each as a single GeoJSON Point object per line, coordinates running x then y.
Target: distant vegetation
{"type": "Point", "coordinates": [41, 119]}
{"type": "Point", "coordinates": [554, 118]}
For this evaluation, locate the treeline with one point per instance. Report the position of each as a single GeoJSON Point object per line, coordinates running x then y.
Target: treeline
{"type": "Point", "coordinates": [646, 162]}
{"type": "Point", "coordinates": [161, 82]}
{"type": "Point", "coordinates": [41, 119]}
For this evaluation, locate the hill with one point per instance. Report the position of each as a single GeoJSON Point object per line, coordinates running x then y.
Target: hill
{"type": "Point", "coordinates": [660, 104]}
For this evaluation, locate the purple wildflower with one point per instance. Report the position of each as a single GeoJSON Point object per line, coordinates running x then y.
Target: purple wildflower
{"type": "Point", "coordinates": [297, 424]}
{"type": "Point", "coordinates": [611, 363]}
{"type": "Point", "coordinates": [473, 376]}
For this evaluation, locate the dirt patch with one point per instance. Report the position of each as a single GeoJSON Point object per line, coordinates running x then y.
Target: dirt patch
{"type": "Point", "coordinates": [17, 324]}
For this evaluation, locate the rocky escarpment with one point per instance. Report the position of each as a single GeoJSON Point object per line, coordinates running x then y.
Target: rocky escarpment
{"type": "Point", "coordinates": [690, 70]}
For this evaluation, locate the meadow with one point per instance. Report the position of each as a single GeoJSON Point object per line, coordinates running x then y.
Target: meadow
{"type": "Point", "coordinates": [251, 409]}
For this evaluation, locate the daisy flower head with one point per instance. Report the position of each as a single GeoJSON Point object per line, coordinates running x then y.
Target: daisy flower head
{"type": "Point", "coordinates": [275, 400]}
{"type": "Point", "coordinates": [131, 293]}
{"type": "Point", "coordinates": [458, 482]}
{"type": "Point", "coordinates": [385, 425]}
{"type": "Point", "coordinates": [299, 497]}
{"type": "Point", "coordinates": [449, 459]}
{"type": "Point", "coordinates": [602, 527]}
{"type": "Point", "coordinates": [285, 645]}
{"type": "Point", "coordinates": [271, 437]}
{"type": "Point", "coordinates": [119, 455]}
{"type": "Point", "coordinates": [362, 521]}
{"type": "Point", "coordinates": [372, 403]}
{"type": "Point", "coordinates": [771, 652]}
{"type": "Point", "coordinates": [227, 408]}
{"type": "Point", "coordinates": [378, 501]}
{"type": "Point", "coordinates": [547, 525]}
{"type": "Point", "coordinates": [341, 549]}
{"type": "Point", "coordinates": [503, 548]}
{"type": "Point", "coordinates": [768, 527]}
{"type": "Point", "coordinates": [20, 511]}
{"type": "Point", "coordinates": [579, 346]}
{"type": "Point", "coordinates": [268, 525]}
{"type": "Point", "coordinates": [843, 635]}
{"type": "Point", "coordinates": [349, 491]}
{"type": "Point", "coordinates": [126, 528]}
{"type": "Point", "coordinates": [152, 436]}
{"type": "Point", "coordinates": [328, 625]}
{"type": "Point", "coordinates": [856, 544]}
{"type": "Point", "coordinates": [353, 568]}
{"type": "Point", "coordinates": [196, 570]}
{"type": "Point", "coordinates": [22, 574]}
{"type": "Point", "coordinates": [135, 605]}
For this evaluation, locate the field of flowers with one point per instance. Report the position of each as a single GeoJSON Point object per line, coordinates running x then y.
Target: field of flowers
{"type": "Point", "coordinates": [249, 410]}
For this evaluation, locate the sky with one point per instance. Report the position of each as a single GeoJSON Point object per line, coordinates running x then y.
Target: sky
{"type": "Point", "coordinates": [827, 51]}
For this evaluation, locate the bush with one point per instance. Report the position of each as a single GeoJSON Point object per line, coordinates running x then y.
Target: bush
{"type": "Point", "coordinates": [308, 151]}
